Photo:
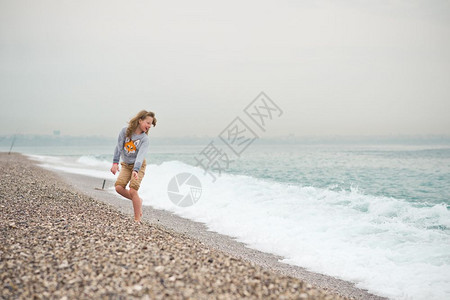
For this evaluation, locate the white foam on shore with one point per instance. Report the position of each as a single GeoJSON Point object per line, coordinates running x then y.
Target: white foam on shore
{"type": "Point", "coordinates": [385, 245]}
{"type": "Point", "coordinates": [87, 166]}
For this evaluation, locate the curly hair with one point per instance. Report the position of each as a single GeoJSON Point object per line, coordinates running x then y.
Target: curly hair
{"type": "Point", "coordinates": [134, 122]}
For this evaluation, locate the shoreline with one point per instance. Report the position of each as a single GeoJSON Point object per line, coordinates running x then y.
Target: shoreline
{"type": "Point", "coordinates": [227, 244]}
{"type": "Point", "coordinates": [198, 233]}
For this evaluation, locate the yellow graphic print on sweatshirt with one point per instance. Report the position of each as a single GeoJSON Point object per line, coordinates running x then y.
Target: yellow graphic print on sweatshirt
{"type": "Point", "coordinates": [130, 145]}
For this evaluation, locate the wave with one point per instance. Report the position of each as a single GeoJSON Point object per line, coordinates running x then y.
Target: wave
{"type": "Point", "coordinates": [391, 247]}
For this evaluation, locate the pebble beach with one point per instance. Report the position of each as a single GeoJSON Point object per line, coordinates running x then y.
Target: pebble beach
{"type": "Point", "coordinates": [57, 243]}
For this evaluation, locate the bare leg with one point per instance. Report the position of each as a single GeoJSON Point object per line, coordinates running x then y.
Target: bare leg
{"type": "Point", "coordinates": [133, 195]}
{"type": "Point", "coordinates": [137, 204]}
{"type": "Point", "coordinates": [123, 191]}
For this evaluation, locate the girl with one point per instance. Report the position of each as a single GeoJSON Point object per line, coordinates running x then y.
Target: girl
{"type": "Point", "coordinates": [132, 146]}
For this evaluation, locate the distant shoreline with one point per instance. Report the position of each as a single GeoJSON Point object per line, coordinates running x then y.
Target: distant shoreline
{"type": "Point", "coordinates": [25, 140]}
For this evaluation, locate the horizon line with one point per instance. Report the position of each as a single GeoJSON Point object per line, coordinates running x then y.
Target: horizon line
{"type": "Point", "coordinates": [289, 136]}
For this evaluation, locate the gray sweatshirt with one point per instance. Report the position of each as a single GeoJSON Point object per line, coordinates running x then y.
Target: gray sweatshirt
{"type": "Point", "coordinates": [131, 151]}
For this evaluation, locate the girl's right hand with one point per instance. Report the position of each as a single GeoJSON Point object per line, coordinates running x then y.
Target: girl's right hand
{"type": "Point", "coordinates": [114, 168]}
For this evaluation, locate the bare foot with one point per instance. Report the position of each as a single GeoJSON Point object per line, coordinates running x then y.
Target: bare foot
{"type": "Point", "coordinates": [141, 206]}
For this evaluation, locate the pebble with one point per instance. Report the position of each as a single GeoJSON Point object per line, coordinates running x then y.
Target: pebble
{"type": "Point", "coordinates": [59, 244]}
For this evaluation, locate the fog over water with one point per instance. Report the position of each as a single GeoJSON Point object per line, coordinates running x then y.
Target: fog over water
{"type": "Point", "coordinates": [334, 68]}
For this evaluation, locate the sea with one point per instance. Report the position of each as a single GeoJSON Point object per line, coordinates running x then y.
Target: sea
{"type": "Point", "coordinates": [376, 214]}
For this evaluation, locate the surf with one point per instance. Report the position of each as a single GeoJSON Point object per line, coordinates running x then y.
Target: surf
{"type": "Point", "coordinates": [390, 246]}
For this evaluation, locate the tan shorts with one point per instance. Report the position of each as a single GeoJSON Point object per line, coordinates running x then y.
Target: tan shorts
{"type": "Point", "coordinates": [125, 175]}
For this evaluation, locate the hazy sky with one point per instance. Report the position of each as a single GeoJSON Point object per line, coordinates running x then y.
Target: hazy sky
{"type": "Point", "coordinates": [333, 67]}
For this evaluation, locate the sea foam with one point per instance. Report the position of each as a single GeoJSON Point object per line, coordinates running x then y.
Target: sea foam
{"type": "Point", "coordinates": [389, 246]}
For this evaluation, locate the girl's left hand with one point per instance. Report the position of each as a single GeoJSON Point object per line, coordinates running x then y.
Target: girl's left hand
{"type": "Point", "coordinates": [135, 175]}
